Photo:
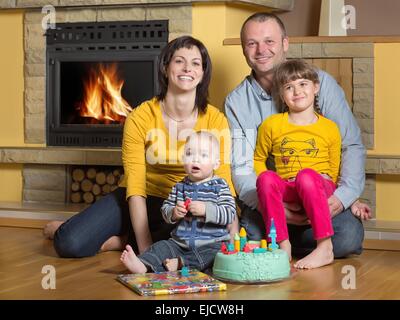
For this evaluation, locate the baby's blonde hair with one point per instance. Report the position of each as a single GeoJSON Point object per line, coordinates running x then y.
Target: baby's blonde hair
{"type": "Point", "coordinates": [214, 142]}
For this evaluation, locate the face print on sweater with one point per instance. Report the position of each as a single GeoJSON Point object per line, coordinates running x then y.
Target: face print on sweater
{"type": "Point", "coordinates": [292, 151]}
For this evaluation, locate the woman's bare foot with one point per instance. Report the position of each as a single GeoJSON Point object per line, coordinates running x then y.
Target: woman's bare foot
{"type": "Point", "coordinates": [50, 229]}
{"type": "Point", "coordinates": [131, 261]}
{"type": "Point", "coordinates": [286, 246]}
{"type": "Point", "coordinates": [322, 255]}
{"type": "Point", "coordinates": [171, 264]}
{"type": "Point", "coordinates": [115, 243]}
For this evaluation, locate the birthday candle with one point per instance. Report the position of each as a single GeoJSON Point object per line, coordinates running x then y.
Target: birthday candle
{"type": "Point", "coordinates": [243, 238]}
{"type": "Point", "coordinates": [236, 242]}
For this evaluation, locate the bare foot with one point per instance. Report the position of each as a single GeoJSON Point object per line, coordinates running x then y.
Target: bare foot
{"type": "Point", "coordinates": [50, 229]}
{"type": "Point", "coordinates": [131, 261]}
{"type": "Point", "coordinates": [286, 246]}
{"type": "Point", "coordinates": [171, 264]}
{"type": "Point", "coordinates": [115, 243]}
{"type": "Point", "coordinates": [322, 255]}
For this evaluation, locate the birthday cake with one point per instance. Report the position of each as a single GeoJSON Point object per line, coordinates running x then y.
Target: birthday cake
{"type": "Point", "coordinates": [251, 261]}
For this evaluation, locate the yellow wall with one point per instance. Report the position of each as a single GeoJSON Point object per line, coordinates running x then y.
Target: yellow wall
{"type": "Point", "coordinates": [10, 182]}
{"type": "Point", "coordinates": [387, 129]}
{"type": "Point", "coordinates": [11, 79]}
{"type": "Point", "coordinates": [11, 103]}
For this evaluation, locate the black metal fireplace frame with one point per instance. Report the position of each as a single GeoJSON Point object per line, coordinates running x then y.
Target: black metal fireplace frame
{"type": "Point", "coordinates": [91, 42]}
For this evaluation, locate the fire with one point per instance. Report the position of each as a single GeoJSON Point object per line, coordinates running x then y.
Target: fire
{"type": "Point", "coordinates": [102, 99]}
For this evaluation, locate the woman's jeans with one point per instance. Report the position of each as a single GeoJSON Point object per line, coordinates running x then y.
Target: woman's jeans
{"type": "Point", "coordinates": [83, 234]}
{"type": "Point", "coordinates": [347, 239]}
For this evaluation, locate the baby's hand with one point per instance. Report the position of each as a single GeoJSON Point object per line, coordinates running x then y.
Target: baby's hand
{"type": "Point", "coordinates": [179, 211]}
{"type": "Point", "coordinates": [361, 210]}
{"type": "Point", "coordinates": [197, 208]}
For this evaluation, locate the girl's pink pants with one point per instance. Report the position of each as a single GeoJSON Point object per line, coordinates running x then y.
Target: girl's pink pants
{"type": "Point", "coordinates": [310, 189]}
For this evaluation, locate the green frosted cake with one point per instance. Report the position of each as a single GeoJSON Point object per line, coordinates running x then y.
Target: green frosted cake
{"type": "Point", "coordinates": [252, 267]}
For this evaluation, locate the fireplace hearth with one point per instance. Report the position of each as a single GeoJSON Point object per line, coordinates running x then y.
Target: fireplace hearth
{"type": "Point", "coordinates": [96, 73]}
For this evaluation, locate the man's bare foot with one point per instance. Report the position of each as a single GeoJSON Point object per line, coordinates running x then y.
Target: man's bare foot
{"type": "Point", "coordinates": [50, 229]}
{"type": "Point", "coordinates": [286, 246]}
{"type": "Point", "coordinates": [115, 243]}
{"type": "Point", "coordinates": [322, 255]}
{"type": "Point", "coordinates": [131, 261]}
{"type": "Point", "coordinates": [171, 264]}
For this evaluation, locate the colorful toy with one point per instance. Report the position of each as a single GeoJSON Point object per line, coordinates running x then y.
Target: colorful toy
{"type": "Point", "coordinates": [185, 272]}
{"type": "Point", "coordinates": [187, 203]}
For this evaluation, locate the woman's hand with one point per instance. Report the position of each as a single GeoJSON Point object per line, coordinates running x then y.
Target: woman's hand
{"type": "Point", "coordinates": [179, 211]}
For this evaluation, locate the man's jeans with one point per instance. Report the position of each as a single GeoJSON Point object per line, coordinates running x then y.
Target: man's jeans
{"type": "Point", "coordinates": [347, 239]}
{"type": "Point", "coordinates": [83, 234]}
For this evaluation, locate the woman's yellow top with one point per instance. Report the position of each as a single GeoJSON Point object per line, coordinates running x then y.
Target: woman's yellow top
{"type": "Point", "coordinates": [152, 158]}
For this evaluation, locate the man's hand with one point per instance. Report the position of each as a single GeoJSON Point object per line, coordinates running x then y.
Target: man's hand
{"type": "Point", "coordinates": [361, 210]}
{"type": "Point", "coordinates": [197, 208]}
{"type": "Point", "coordinates": [335, 205]}
{"type": "Point", "coordinates": [179, 211]}
{"type": "Point", "coordinates": [295, 214]}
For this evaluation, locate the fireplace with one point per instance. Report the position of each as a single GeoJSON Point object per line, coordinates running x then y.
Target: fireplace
{"type": "Point", "coordinates": [96, 73]}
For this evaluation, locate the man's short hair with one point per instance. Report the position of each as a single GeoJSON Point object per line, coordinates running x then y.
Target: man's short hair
{"type": "Point", "coordinates": [261, 17]}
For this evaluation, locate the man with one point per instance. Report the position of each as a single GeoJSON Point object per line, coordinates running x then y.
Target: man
{"type": "Point", "coordinates": [265, 43]}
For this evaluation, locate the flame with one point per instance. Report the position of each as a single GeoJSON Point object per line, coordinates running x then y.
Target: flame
{"type": "Point", "coordinates": [102, 99]}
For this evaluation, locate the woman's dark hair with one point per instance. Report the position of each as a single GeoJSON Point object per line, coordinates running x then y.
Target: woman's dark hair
{"type": "Point", "coordinates": [165, 59]}
{"type": "Point", "coordinates": [292, 70]}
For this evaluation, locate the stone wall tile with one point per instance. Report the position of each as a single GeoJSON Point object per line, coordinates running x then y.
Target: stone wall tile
{"type": "Point", "coordinates": [7, 4]}
{"type": "Point", "coordinates": [363, 50]}
{"type": "Point", "coordinates": [44, 177]}
{"type": "Point", "coordinates": [390, 166]}
{"type": "Point", "coordinates": [363, 65]}
{"type": "Point", "coordinates": [372, 165]}
{"type": "Point", "coordinates": [35, 128]}
{"type": "Point", "coordinates": [363, 80]}
{"type": "Point", "coordinates": [121, 14]}
{"type": "Point", "coordinates": [47, 196]}
{"type": "Point", "coordinates": [363, 110]}
{"type": "Point", "coordinates": [311, 50]}
{"type": "Point", "coordinates": [295, 51]}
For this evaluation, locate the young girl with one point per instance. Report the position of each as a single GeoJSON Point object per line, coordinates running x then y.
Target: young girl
{"type": "Point", "coordinates": [306, 148]}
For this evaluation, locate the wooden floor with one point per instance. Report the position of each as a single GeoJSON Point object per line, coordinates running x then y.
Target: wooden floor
{"type": "Point", "coordinates": [23, 253]}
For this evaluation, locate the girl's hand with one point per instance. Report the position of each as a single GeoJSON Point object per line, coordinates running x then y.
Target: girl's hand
{"type": "Point", "coordinates": [197, 208]}
{"type": "Point", "coordinates": [179, 211]}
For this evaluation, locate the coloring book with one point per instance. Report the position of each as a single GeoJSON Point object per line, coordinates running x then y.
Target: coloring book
{"type": "Point", "coordinates": [171, 282]}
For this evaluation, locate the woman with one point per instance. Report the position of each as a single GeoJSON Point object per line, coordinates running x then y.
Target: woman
{"type": "Point", "coordinates": [154, 135]}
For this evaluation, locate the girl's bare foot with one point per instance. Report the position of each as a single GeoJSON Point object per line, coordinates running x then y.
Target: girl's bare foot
{"type": "Point", "coordinates": [286, 246]}
{"type": "Point", "coordinates": [322, 255]}
{"type": "Point", "coordinates": [171, 264]}
{"type": "Point", "coordinates": [115, 243]}
{"type": "Point", "coordinates": [50, 229]}
{"type": "Point", "coordinates": [131, 261]}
